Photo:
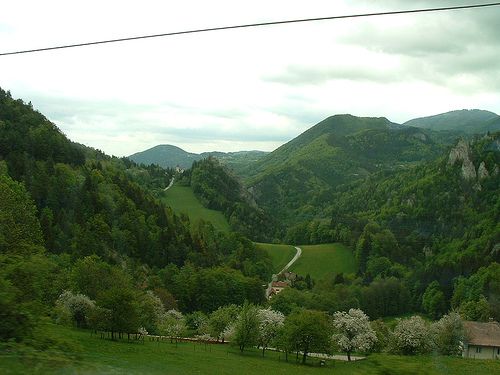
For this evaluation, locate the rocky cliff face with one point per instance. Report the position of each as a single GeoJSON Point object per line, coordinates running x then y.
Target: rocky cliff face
{"type": "Point", "coordinates": [461, 154]}
{"type": "Point", "coordinates": [482, 172]}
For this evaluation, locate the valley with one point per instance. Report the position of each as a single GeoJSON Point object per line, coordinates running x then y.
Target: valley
{"type": "Point", "coordinates": [249, 188]}
{"type": "Point", "coordinates": [397, 226]}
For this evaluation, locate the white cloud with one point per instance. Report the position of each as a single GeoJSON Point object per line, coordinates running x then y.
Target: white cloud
{"type": "Point", "coordinates": [242, 89]}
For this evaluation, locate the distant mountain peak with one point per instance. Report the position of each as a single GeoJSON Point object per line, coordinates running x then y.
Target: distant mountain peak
{"type": "Point", "coordinates": [469, 121]}
{"type": "Point", "coordinates": [170, 156]}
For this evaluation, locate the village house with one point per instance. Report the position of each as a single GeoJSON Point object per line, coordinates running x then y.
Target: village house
{"type": "Point", "coordinates": [277, 287]}
{"type": "Point", "coordinates": [483, 340]}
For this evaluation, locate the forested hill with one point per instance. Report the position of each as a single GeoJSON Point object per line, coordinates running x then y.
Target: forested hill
{"type": "Point", "coordinates": [474, 121]}
{"type": "Point", "coordinates": [295, 180]}
{"type": "Point", "coordinates": [425, 237]}
{"type": "Point", "coordinates": [441, 218]}
{"type": "Point", "coordinates": [94, 210]}
{"type": "Point", "coordinates": [86, 205]}
{"type": "Point", "coordinates": [166, 156]}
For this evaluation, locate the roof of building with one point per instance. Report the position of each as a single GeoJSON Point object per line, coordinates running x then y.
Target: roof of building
{"type": "Point", "coordinates": [279, 284]}
{"type": "Point", "coordinates": [484, 334]}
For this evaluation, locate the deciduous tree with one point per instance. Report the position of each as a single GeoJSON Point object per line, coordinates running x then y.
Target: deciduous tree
{"type": "Point", "coordinates": [353, 331]}
{"type": "Point", "coordinates": [246, 328]}
{"type": "Point", "coordinates": [270, 323]}
{"type": "Point", "coordinates": [308, 331]}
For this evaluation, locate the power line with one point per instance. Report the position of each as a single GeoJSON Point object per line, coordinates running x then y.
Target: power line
{"type": "Point", "coordinates": [250, 25]}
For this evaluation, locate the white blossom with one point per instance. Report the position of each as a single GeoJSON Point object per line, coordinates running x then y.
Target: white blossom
{"type": "Point", "coordinates": [173, 323]}
{"type": "Point", "coordinates": [353, 331]}
{"type": "Point", "coordinates": [228, 332]}
{"type": "Point", "coordinates": [270, 322]}
{"type": "Point", "coordinates": [411, 336]}
{"type": "Point", "coordinates": [75, 307]}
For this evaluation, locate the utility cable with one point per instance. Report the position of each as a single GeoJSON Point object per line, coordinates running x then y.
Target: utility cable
{"type": "Point", "coordinates": [251, 25]}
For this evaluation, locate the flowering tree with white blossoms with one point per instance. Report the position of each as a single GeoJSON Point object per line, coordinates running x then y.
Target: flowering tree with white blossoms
{"type": "Point", "coordinates": [270, 323]}
{"type": "Point", "coordinates": [74, 307]}
{"type": "Point", "coordinates": [353, 331]}
{"type": "Point", "coordinates": [173, 324]}
{"type": "Point", "coordinates": [411, 336]}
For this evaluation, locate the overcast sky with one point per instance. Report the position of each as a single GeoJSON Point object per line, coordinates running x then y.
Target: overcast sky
{"type": "Point", "coordinates": [242, 89]}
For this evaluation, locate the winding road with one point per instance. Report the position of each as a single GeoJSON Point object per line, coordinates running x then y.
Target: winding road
{"type": "Point", "coordinates": [288, 265]}
{"type": "Point", "coordinates": [297, 256]}
{"type": "Point", "coordinates": [170, 184]}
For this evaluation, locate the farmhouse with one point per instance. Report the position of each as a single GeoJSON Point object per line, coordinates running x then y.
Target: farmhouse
{"type": "Point", "coordinates": [276, 287]}
{"type": "Point", "coordinates": [483, 340]}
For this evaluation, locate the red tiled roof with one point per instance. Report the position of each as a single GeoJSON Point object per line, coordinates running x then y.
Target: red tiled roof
{"type": "Point", "coordinates": [279, 284]}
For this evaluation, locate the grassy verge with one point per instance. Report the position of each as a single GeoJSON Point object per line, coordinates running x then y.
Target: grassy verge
{"type": "Point", "coordinates": [100, 356]}
{"type": "Point", "coordinates": [322, 260]}
{"type": "Point", "coordinates": [183, 200]}
{"type": "Point", "coordinates": [280, 254]}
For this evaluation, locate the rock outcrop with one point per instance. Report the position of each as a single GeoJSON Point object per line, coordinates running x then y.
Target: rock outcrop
{"type": "Point", "coordinates": [461, 153]}
{"type": "Point", "coordinates": [482, 172]}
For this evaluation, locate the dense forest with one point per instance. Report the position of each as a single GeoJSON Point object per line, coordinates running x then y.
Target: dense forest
{"type": "Point", "coordinates": [425, 237]}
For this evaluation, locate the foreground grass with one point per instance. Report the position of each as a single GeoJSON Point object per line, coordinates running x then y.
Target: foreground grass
{"type": "Point", "coordinates": [99, 356]}
{"type": "Point", "coordinates": [322, 260]}
{"type": "Point", "coordinates": [183, 200]}
{"type": "Point", "coordinates": [280, 254]}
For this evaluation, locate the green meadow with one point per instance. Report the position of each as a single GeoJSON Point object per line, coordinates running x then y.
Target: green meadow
{"type": "Point", "coordinates": [280, 254]}
{"type": "Point", "coordinates": [322, 260]}
{"type": "Point", "coordinates": [89, 354]}
{"type": "Point", "coordinates": [183, 200]}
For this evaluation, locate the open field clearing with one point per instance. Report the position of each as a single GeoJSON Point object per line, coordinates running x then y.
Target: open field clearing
{"type": "Point", "coordinates": [182, 199]}
{"type": "Point", "coordinates": [322, 260]}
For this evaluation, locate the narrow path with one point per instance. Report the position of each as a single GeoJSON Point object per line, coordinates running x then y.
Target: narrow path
{"type": "Point", "coordinates": [288, 265]}
{"type": "Point", "coordinates": [297, 256]}
{"type": "Point", "coordinates": [170, 184]}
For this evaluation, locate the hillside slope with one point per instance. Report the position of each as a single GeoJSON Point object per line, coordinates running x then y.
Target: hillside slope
{"type": "Point", "coordinates": [295, 180]}
{"type": "Point", "coordinates": [183, 201]}
{"type": "Point", "coordinates": [442, 217]}
{"type": "Point", "coordinates": [89, 203]}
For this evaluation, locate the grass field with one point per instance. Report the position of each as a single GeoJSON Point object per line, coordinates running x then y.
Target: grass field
{"type": "Point", "coordinates": [100, 356]}
{"type": "Point", "coordinates": [182, 199]}
{"type": "Point", "coordinates": [280, 254]}
{"type": "Point", "coordinates": [321, 260]}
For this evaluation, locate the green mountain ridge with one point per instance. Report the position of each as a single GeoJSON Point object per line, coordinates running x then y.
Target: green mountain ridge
{"type": "Point", "coordinates": [471, 121]}
{"type": "Point", "coordinates": [338, 150]}
{"type": "Point", "coordinates": [169, 156]}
